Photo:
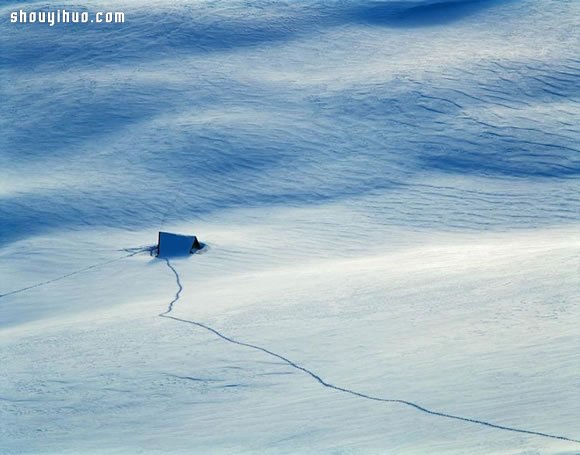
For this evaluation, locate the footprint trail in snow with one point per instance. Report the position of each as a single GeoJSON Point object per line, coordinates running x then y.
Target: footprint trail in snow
{"type": "Point", "coordinates": [329, 385]}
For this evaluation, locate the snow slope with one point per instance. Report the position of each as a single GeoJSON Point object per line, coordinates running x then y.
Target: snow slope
{"type": "Point", "coordinates": [390, 197]}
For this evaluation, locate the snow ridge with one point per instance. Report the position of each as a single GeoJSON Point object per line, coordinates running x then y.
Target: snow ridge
{"type": "Point", "coordinates": [329, 385]}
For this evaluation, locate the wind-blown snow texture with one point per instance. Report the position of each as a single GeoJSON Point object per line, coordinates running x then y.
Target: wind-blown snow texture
{"type": "Point", "coordinates": [389, 191]}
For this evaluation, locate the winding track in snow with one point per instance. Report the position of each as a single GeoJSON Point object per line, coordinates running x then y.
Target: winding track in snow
{"type": "Point", "coordinates": [312, 374]}
{"type": "Point", "coordinates": [177, 294]}
{"type": "Point", "coordinates": [76, 272]}
{"type": "Point", "coordinates": [323, 382]}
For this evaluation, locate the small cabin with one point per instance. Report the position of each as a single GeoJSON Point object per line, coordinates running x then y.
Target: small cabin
{"type": "Point", "coordinates": [170, 245]}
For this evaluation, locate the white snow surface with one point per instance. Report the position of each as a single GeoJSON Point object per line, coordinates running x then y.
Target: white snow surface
{"type": "Point", "coordinates": [388, 192]}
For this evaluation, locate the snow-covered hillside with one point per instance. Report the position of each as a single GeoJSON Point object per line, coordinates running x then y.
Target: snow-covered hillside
{"type": "Point", "coordinates": [389, 194]}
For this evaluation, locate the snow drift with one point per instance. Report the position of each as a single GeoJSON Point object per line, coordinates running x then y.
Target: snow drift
{"type": "Point", "coordinates": [389, 191]}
